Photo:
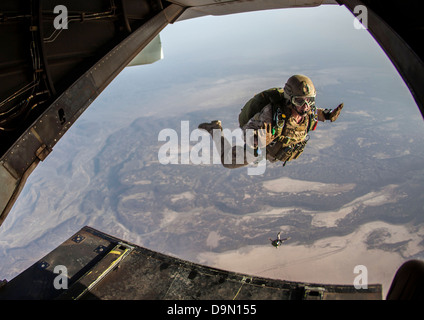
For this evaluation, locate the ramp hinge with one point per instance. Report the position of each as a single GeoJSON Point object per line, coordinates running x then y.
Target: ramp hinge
{"type": "Point", "coordinates": [42, 152]}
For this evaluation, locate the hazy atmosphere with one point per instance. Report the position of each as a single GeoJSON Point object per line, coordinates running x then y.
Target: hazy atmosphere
{"type": "Point", "coordinates": [354, 197]}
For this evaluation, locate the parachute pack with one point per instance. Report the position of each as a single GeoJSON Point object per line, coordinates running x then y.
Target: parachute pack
{"type": "Point", "coordinates": [275, 96]}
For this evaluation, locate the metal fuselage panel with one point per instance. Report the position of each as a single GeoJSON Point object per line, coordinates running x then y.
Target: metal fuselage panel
{"type": "Point", "coordinates": [99, 266]}
{"type": "Point", "coordinates": [53, 72]}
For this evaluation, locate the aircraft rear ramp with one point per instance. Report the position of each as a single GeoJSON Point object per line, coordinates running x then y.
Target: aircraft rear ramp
{"type": "Point", "coordinates": [99, 266]}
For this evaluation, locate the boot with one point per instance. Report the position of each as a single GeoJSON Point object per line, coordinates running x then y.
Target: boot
{"type": "Point", "coordinates": [209, 126]}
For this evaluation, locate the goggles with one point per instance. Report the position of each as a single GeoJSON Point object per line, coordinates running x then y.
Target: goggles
{"type": "Point", "coordinates": [299, 101]}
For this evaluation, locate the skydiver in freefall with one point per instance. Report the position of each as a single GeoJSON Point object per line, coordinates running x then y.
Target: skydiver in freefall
{"type": "Point", "coordinates": [278, 242]}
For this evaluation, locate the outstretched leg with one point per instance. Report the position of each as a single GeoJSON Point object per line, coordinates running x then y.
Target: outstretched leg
{"type": "Point", "coordinates": [231, 156]}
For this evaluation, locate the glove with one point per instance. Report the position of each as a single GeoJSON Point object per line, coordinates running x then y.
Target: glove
{"type": "Point", "coordinates": [330, 114]}
{"type": "Point", "coordinates": [265, 136]}
{"type": "Point", "coordinates": [335, 113]}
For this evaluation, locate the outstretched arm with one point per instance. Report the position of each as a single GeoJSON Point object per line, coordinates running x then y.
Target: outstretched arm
{"type": "Point", "coordinates": [329, 114]}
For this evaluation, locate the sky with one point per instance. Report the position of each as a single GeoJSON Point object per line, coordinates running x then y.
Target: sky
{"type": "Point", "coordinates": [218, 48]}
{"type": "Point", "coordinates": [213, 65]}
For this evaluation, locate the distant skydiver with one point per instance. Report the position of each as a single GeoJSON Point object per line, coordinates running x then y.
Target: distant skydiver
{"type": "Point", "coordinates": [278, 242]}
{"type": "Point", "coordinates": [280, 119]}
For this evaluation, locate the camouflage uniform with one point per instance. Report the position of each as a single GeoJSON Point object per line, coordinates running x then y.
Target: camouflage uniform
{"type": "Point", "coordinates": [273, 106]}
{"type": "Point", "coordinates": [288, 135]}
